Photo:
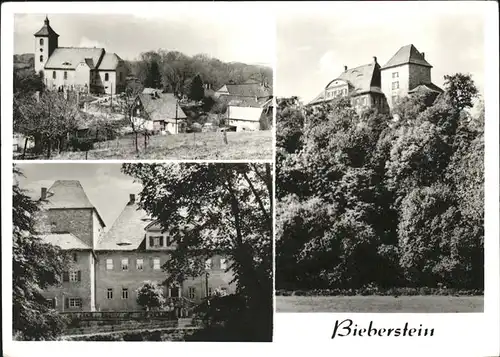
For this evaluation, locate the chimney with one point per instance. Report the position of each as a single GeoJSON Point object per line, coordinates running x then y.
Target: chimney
{"type": "Point", "coordinates": [43, 195]}
{"type": "Point", "coordinates": [374, 59]}
{"type": "Point", "coordinates": [132, 199]}
{"type": "Point", "coordinates": [345, 68]}
{"type": "Point", "coordinates": [423, 55]}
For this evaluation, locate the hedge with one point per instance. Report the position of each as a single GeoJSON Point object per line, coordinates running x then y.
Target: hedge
{"type": "Point", "coordinates": [382, 292]}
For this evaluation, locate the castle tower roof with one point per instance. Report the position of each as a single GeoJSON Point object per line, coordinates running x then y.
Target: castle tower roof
{"type": "Point", "coordinates": [407, 54]}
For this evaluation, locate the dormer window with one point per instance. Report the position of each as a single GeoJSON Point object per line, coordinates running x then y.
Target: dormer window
{"type": "Point", "coordinates": [66, 63]}
{"type": "Point", "coordinates": [156, 241]}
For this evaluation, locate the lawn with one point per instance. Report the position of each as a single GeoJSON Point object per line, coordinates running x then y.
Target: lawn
{"type": "Point", "coordinates": [245, 145]}
{"type": "Point", "coordinates": [410, 304]}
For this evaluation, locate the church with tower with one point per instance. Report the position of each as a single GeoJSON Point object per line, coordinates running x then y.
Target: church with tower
{"type": "Point", "coordinates": [380, 87]}
{"type": "Point", "coordinates": [83, 69]}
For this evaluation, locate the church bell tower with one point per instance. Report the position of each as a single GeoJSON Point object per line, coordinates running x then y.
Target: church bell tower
{"type": "Point", "coordinates": [46, 41]}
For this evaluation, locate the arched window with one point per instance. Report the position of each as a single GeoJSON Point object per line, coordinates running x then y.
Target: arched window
{"type": "Point", "coordinates": [53, 74]}
{"type": "Point", "coordinates": [41, 42]}
{"type": "Point", "coordinates": [41, 58]}
{"type": "Point", "coordinates": [106, 77]}
{"type": "Point", "coordinates": [65, 75]}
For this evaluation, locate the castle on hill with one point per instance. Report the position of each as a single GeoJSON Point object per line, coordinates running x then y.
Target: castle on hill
{"type": "Point", "coordinates": [83, 69]}
{"type": "Point", "coordinates": [373, 86]}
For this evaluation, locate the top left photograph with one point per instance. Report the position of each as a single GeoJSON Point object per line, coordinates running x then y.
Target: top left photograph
{"type": "Point", "coordinates": [176, 86]}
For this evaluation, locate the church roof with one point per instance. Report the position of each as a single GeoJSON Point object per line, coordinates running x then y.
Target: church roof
{"type": "Point", "coordinates": [46, 30]}
{"type": "Point", "coordinates": [110, 61]}
{"type": "Point", "coordinates": [71, 57]}
{"type": "Point", "coordinates": [128, 231]}
{"type": "Point", "coordinates": [250, 88]}
{"type": "Point", "coordinates": [407, 54]}
{"type": "Point", "coordinates": [162, 106]}
{"type": "Point", "coordinates": [67, 194]}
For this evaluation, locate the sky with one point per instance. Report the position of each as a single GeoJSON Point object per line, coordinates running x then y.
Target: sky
{"type": "Point", "coordinates": [106, 187]}
{"type": "Point", "coordinates": [315, 43]}
{"type": "Point", "coordinates": [224, 34]}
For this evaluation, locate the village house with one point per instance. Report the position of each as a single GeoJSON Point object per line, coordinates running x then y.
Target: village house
{"type": "Point", "coordinates": [108, 266]}
{"type": "Point", "coordinates": [373, 86]}
{"type": "Point", "coordinates": [91, 70]}
{"type": "Point", "coordinates": [159, 112]}
{"type": "Point", "coordinates": [248, 104]}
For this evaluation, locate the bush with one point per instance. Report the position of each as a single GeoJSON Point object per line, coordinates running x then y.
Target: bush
{"type": "Point", "coordinates": [371, 289]}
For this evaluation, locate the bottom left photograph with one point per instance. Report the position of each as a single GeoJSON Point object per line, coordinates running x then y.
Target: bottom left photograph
{"type": "Point", "coordinates": [142, 252]}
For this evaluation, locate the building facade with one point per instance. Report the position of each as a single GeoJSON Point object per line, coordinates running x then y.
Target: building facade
{"type": "Point", "coordinates": [373, 86]}
{"type": "Point", "coordinates": [83, 69]}
{"type": "Point", "coordinates": [108, 267]}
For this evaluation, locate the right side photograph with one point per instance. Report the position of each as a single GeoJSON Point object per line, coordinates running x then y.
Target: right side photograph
{"type": "Point", "coordinates": [380, 160]}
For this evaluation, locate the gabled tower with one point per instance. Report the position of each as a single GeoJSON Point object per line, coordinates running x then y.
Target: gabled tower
{"type": "Point", "coordinates": [46, 41]}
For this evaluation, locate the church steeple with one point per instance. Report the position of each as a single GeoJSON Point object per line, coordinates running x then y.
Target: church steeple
{"type": "Point", "coordinates": [46, 41]}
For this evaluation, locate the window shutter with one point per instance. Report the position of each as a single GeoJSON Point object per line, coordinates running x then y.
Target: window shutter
{"type": "Point", "coordinates": [66, 303]}
{"type": "Point", "coordinates": [79, 275]}
{"type": "Point", "coordinates": [161, 241]}
{"type": "Point", "coordinates": [66, 276]}
{"type": "Point", "coordinates": [55, 302]}
{"type": "Point", "coordinates": [151, 241]}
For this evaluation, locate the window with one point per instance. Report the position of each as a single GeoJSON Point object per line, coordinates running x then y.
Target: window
{"type": "Point", "coordinates": [106, 77]}
{"type": "Point", "coordinates": [156, 264]}
{"type": "Point", "coordinates": [125, 264]}
{"type": "Point", "coordinates": [74, 302]}
{"type": "Point", "coordinates": [65, 75]}
{"type": "Point", "coordinates": [53, 74]}
{"type": "Point", "coordinates": [74, 276]}
{"type": "Point", "coordinates": [121, 76]}
{"type": "Point", "coordinates": [395, 75]}
{"type": "Point", "coordinates": [51, 303]}
{"type": "Point", "coordinates": [41, 58]}
{"type": "Point", "coordinates": [209, 291]}
{"type": "Point", "coordinates": [109, 264]}
{"type": "Point", "coordinates": [41, 42]}
{"type": "Point", "coordinates": [168, 241]}
{"type": "Point", "coordinates": [75, 257]}
{"type": "Point", "coordinates": [395, 85]}
{"type": "Point", "coordinates": [208, 264]}
{"type": "Point", "coordinates": [109, 294]}
{"type": "Point", "coordinates": [124, 293]}
{"type": "Point", "coordinates": [223, 263]}
{"type": "Point", "coordinates": [139, 264]}
{"type": "Point", "coordinates": [156, 241]}
{"type": "Point", "coordinates": [192, 292]}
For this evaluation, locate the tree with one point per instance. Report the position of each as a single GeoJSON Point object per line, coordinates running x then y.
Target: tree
{"type": "Point", "coordinates": [36, 266]}
{"type": "Point", "coordinates": [460, 90]}
{"type": "Point", "coordinates": [49, 119]}
{"type": "Point", "coordinates": [128, 104]}
{"type": "Point", "coordinates": [150, 295]}
{"type": "Point", "coordinates": [223, 209]}
{"type": "Point", "coordinates": [196, 91]}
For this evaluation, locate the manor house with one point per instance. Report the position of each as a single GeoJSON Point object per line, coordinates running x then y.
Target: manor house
{"type": "Point", "coordinates": [108, 265]}
{"type": "Point", "coordinates": [380, 87]}
{"type": "Point", "coordinates": [91, 70]}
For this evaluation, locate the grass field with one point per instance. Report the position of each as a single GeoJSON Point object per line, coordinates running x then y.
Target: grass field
{"type": "Point", "coordinates": [410, 304]}
{"type": "Point", "coordinates": [253, 145]}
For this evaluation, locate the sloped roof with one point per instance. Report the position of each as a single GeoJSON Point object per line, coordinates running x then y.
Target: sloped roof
{"type": "Point", "coordinates": [127, 232]}
{"type": "Point", "coordinates": [163, 107]}
{"type": "Point", "coordinates": [110, 61]}
{"type": "Point", "coordinates": [71, 57]}
{"type": "Point", "coordinates": [46, 30]}
{"type": "Point", "coordinates": [247, 89]}
{"type": "Point", "coordinates": [407, 54]}
{"type": "Point", "coordinates": [244, 113]}
{"type": "Point", "coordinates": [427, 87]}
{"type": "Point", "coordinates": [65, 241]}
{"type": "Point", "coordinates": [361, 78]}
{"type": "Point", "coordinates": [68, 194]}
